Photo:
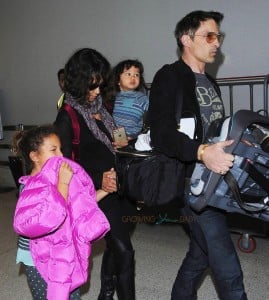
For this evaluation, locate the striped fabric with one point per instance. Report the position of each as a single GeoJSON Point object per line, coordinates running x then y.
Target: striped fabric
{"type": "Point", "coordinates": [23, 243]}
{"type": "Point", "coordinates": [129, 110]}
{"type": "Point", "coordinates": [23, 253]}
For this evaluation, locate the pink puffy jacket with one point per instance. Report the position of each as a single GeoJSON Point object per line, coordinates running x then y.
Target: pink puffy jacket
{"type": "Point", "coordinates": [61, 232]}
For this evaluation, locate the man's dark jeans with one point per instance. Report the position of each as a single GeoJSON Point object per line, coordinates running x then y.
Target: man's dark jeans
{"type": "Point", "coordinates": [210, 247]}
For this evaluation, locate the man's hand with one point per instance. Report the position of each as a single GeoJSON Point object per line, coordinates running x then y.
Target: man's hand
{"type": "Point", "coordinates": [215, 158]}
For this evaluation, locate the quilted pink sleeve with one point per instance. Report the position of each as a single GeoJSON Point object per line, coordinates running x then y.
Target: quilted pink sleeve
{"type": "Point", "coordinates": [39, 211]}
{"type": "Point", "coordinates": [92, 226]}
{"type": "Point", "coordinates": [90, 222]}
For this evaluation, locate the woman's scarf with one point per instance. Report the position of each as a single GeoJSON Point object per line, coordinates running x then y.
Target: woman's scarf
{"type": "Point", "coordinates": [88, 111]}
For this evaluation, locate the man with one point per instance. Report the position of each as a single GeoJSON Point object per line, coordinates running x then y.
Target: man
{"type": "Point", "coordinates": [60, 76]}
{"type": "Point", "coordinates": [185, 81]}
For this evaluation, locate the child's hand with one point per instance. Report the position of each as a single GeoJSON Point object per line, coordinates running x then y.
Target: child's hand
{"type": "Point", "coordinates": [65, 173]}
{"type": "Point", "coordinates": [109, 181]}
{"type": "Point", "coordinates": [64, 178]}
{"type": "Point", "coordinates": [100, 194]}
{"type": "Point", "coordinates": [117, 145]}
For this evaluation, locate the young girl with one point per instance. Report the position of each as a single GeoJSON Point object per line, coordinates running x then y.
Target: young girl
{"type": "Point", "coordinates": [57, 217]}
{"type": "Point", "coordinates": [131, 102]}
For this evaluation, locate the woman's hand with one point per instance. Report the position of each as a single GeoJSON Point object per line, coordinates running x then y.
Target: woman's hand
{"type": "Point", "coordinates": [109, 183]}
{"type": "Point", "coordinates": [216, 159]}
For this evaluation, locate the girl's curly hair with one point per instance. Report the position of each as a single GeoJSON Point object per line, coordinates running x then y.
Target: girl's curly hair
{"type": "Point", "coordinates": [26, 141]}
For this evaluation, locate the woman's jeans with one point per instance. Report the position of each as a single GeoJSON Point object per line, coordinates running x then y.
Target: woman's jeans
{"type": "Point", "coordinates": [211, 247]}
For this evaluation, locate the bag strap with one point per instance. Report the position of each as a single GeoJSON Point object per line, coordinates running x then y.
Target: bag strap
{"type": "Point", "coordinates": [239, 197]}
{"type": "Point", "coordinates": [257, 176]}
{"type": "Point", "coordinates": [76, 130]}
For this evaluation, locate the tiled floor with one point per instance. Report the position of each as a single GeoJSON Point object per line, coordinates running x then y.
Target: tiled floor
{"type": "Point", "coordinates": [159, 251]}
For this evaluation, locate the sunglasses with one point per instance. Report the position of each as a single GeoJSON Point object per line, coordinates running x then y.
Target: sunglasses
{"type": "Point", "coordinates": [211, 37]}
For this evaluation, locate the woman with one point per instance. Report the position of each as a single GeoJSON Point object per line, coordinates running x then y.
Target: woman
{"type": "Point", "coordinates": [85, 73]}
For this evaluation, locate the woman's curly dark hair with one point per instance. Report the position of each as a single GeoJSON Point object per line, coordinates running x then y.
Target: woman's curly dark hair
{"type": "Point", "coordinates": [85, 70]}
{"type": "Point", "coordinates": [112, 87]}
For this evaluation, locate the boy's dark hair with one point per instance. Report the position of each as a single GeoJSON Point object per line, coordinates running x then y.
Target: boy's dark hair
{"type": "Point", "coordinates": [125, 65]}
{"type": "Point", "coordinates": [113, 88]}
{"type": "Point", "coordinates": [192, 21]}
{"type": "Point", "coordinates": [30, 140]}
{"type": "Point", "coordinates": [85, 70]}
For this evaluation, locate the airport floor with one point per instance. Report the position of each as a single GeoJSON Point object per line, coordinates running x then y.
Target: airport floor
{"type": "Point", "coordinates": [159, 248]}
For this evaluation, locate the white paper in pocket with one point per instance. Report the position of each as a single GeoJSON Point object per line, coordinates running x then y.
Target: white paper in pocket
{"type": "Point", "coordinates": [187, 126]}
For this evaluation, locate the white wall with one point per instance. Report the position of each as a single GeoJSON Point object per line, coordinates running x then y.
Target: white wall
{"type": "Point", "coordinates": [37, 37]}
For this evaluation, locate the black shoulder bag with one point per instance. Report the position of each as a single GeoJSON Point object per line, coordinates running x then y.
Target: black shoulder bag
{"type": "Point", "coordinates": [148, 176]}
